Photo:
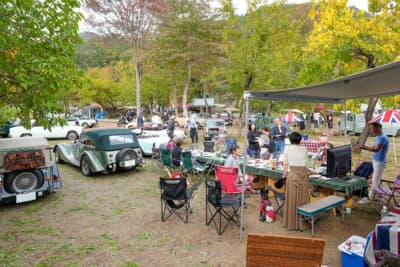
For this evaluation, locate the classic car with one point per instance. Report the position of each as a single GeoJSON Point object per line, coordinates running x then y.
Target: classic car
{"type": "Point", "coordinates": [213, 128]}
{"type": "Point", "coordinates": [56, 132]}
{"type": "Point", "coordinates": [149, 138]}
{"type": "Point", "coordinates": [103, 150]}
{"type": "Point", "coordinates": [83, 121]}
{"type": "Point", "coordinates": [27, 170]}
{"type": "Point", "coordinates": [180, 134]}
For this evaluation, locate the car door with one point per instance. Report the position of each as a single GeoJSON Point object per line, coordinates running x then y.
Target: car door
{"type": "Point", "coordinates": [79, 147]}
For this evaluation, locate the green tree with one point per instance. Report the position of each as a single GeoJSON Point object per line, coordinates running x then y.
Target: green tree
{"type": "Point", "coordinates": [37, 42]}
{"type": "Point", "coordinates": [344, 40]}
{"type": "Point", "coordinates": [187, 43]}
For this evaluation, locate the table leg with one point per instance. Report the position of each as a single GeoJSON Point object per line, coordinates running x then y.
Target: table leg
{"type": "Point", "coordinates": [348, 201]}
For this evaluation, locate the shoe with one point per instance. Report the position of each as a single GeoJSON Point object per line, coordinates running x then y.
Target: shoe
{"type": "Point", "coordinates": [363, 201]}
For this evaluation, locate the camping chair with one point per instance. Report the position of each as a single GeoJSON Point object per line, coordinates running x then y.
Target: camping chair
{"type": "Point", "coordinates": [229, 142]}
{"type": "Point", "coordinates": [209, 146]}
{"type": "Point", "coordinates": [174, 196]}
{"type": "Point", "coordinates": [391, 190]}
{"type": "Point", "coordinates": [283, 251]}
{"type": "Point", "coordinates": [228, 178]}
{"type": "Point", "coordinates": [220, 206]}
{"type": "Point", "coordinates": [192, 170]}
{"type": "Point", "coordinates": [279, 196]}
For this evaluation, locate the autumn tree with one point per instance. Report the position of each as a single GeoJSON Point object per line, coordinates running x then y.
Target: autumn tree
{"type": "Point", "coordinates": [37, 43]}
{"type": "Point", "coordinates": [187, 43]}
{"type": "Point", "coordinates": [133, 20]}
{"type": "Point", "coordinates": [345, 40]}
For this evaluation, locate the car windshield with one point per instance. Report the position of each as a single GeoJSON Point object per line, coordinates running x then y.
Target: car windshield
{"type": "Point", "coordinates": [121, 139]}
{"type": "Point", "coordinates": [211, 124]}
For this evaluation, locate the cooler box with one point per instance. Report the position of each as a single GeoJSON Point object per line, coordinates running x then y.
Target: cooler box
{"type": "Point", "coordinates": [305, 137]}
{"type": "Point", "coordinates": [355, 256]}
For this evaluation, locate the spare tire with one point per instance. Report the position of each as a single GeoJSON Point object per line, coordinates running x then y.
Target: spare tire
{"type": "Point", "coordinates": [24, 181]}
{"type": "Point", "coordinates": [125, 155]}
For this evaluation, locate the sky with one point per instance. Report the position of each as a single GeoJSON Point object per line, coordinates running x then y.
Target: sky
{"type": "Point", "coordinates": [240, 6]}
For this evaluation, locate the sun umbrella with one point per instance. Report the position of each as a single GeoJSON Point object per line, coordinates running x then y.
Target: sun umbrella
{"type": "Point", "coordinates": [388, 116]}
{"type": "Point", "coordinates": [291, 117]}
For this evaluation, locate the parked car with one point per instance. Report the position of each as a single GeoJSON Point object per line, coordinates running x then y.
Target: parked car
{"type": "Point", "coordinates": [56, 132]}
{"type": "Point", "coordinates": [158, 130]}
{"type": "Point", "coordinates": [213, 128]}
{"type": "Point", "coordinates": [27, 170]}
{"type": "Point", "coordinates": [83, 121]}
{"type": "Point", "coordinates": [226, 116]}
{"type": "Point", "coordinates": [355, 124]}
{"type": "Point", "coordinates": [102, 150]}
{"type": "Point", "coordinates": [5, 128]}
{"type": "Point", "coordinates": [148, 138]}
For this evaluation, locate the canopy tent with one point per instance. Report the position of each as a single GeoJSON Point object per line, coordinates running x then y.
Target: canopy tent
{"type": "Point", "coordinates": [380, 81]}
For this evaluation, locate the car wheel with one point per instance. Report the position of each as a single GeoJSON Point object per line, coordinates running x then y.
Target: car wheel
{"type": "Point", "coordinates": [85, 166]}
{"type": "Point", "coordinates": [85, 125]}
{"type": "Point", "coordinates": [125, 155]}
{"type": "Point", "coordinates": [57, 154]}
{"type": "Point", "coordinates": [24, 181]}
{"type": "Point", "coordinates": [26, 135]}
{"type": "Point", "coordinates": [72, 135]}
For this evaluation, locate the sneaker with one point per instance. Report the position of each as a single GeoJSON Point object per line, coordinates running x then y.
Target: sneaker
{"type": "Point", "coordinates": [363, 201]}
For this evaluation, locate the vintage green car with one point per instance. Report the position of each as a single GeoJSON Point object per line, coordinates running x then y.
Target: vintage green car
{"type": "Point", "coordinates": [105, 150]}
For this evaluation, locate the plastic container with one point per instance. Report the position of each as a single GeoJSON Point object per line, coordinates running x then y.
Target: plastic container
{"type": "Point", "coordinates": [305, 137]}
{"type": "Point", "coordinates": [352, 251]}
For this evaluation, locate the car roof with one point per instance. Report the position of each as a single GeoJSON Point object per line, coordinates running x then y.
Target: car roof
{"type": "Point", "coordinates": [101, 141]}
{"type": "Point", "coordinates": [23, 143]}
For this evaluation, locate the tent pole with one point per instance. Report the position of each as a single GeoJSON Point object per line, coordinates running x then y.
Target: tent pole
{"type": "Point", "coordinates": [244, 166]}
{"type": "Point", "coordinates": [394, 151]}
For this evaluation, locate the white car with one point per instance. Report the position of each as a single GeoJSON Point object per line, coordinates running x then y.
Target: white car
{"type": "Point", "coordinates": [56, 132]}
{"type": "Point", "coordinates": [148, 138]}
{"type": "Point", "coordinates": [82, 121]}
{"type": "Point", "coordinates": [180, 134]}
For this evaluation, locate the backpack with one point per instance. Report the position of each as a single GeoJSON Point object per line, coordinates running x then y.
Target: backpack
{"type": "Point", "coordinates": [364, 170]}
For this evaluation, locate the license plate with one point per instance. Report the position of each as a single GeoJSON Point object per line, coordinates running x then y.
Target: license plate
{"type": "Point", "coordinates": [26, 197]}
{"type": "Point", "coordinates": [130, 163]}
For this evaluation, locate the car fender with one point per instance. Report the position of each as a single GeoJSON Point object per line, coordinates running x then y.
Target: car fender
{"type": "Point", "coordinates": [66, 154]}
{"type": "Point", "coordinates": [95, 162]}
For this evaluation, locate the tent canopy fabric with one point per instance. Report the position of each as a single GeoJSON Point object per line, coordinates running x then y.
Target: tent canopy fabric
{"type": "Point", "coordinates": [380, 81]}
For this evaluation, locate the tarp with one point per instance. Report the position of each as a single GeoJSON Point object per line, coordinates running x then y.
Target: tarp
{"type": "Point", "coordinates": [380, 81]}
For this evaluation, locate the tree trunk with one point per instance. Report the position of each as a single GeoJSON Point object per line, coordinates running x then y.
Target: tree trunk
{"type": "Point", "coordinates": [205, 98]}
{"type": "Point", "coordinates": [368, 116]}
{"type": "Point", "coordinates": [138, 70]}
{"type": "Point", "coordinates": [173, 96]}
{"type": "Point", "coordinates": [271, 105]}
{"type": "Point", "coordinates": [186, 90]}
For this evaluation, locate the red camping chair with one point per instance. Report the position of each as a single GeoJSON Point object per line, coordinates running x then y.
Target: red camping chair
{"type": "Point", "coordinates": [228, 177]}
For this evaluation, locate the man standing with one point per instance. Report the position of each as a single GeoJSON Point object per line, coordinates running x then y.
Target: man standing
{"type": "Point", "coordinates": [379, 153]}
{"type": "Point", "coordinates": [316, 116]}
{"type": "Point", "coordinates": [329, 119]}
{"type": "Point", "coordinates": [140, 122]}
{"type": "Point", "coordinates": [192, 125]}
{"type": "Point", "coordinates": [279, 135]}
{"type": "Point", "coordinates": [171, 127]}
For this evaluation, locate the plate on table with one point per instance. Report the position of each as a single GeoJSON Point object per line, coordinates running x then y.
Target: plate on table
{"type": "Point", "coordinates": [208, 154]}
{"type": "Point", "coordinates": [315, 176]}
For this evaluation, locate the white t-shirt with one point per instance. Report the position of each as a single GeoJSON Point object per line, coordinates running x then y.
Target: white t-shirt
{"type": "Point", "coordinates": [295, 155]}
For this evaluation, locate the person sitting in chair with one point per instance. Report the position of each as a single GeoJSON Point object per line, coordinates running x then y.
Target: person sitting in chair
{"type": "Point", "coordinates": [176, 154]}
{"type": "Point", "coordinates": [233, 160]}
{"type": "Point", "coordinates": [172, 143]}
{"type": "Point", "coordinates": [322, 153]}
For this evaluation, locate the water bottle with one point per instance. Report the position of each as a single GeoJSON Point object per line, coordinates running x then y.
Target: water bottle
{"type": "Point", "coordinates": [384, 212]}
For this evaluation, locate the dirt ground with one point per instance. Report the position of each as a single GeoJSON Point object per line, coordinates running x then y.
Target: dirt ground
{"type": "Point", "coordinates": [114, 220]}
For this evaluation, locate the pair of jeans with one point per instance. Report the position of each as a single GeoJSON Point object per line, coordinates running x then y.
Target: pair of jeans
{"type": "Point", "coordinates": [315, 123]}
{"type": "Point", "coordinates": [193, 135]}
{"type": "Point", "coordinates": [279, 147]}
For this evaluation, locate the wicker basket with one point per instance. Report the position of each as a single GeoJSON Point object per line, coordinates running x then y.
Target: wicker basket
{"type": "Point", "coordinates": [283, 251]}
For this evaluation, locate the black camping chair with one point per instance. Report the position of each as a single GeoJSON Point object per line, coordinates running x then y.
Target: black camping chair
{"type": "Point", "coordinates": [220, 206]}
{"type": "Point", "coordinates": [209, 146]}
{"type": "Point", "coordinates": [174, 196]}
{"type": "Point", "coordinates": [279, 196]}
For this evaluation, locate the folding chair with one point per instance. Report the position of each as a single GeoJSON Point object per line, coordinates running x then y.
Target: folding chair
{"type": "Point", "coordinates": [156, 159]}
{"type": "Point", "coordinates": [283, 251]}
{"type": "Point", "coordinates": [194, 171]}
{"type": "Point", "coordinates": [209, 146]}
{"type": "Point", "coordinates": [220, 206]}
{"type": "Point", "coordinates": [174, 196]}
{"type": "Point", "coordinates": [279, 196]}
{"type": "Point", "coordinates": [391, 190]}
{"type": "Point", "coordinates": [228, 178]}
{"type": "Point", "coordinates": [229, 142]}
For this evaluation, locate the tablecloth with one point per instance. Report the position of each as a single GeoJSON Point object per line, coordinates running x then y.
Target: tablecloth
{"type": "Point", "coordinates": [354, 183]}
{"type": "Point", "coordinates": [313, 146]}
